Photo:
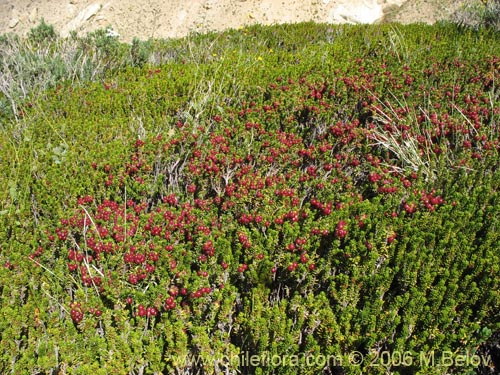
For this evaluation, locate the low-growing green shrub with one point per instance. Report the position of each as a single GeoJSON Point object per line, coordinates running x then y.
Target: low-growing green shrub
{"type": "Point", "coordinates": [273, 200]}
{"type": "Point", "coordinates": [32, 65]}
{"type": "Point", "coordinates": [43, 33]}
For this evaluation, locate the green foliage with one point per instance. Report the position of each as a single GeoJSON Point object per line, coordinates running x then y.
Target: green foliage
{"type": "Point", "coordinates": [42, 60]}
{"type": "Point", "coordinates": [479, 14]}
{"type": "Point", "coordinates": [140, 52]}
{"type": "Point", "coordinates": [43, 33]}
{"type": "Point", "coordinates": [271, 200]}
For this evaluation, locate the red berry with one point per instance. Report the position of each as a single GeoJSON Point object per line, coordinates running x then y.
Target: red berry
{"type": "Point", "coordinates": [242, 268]}
{"type": "Point", "coordinates": [151, 311]}
{"type": "Point", "coordinates": [133, 279]}
{"type": "Point", "coordinates": [174, 291]}
{"type": "Point", "coordinates": [292, 267]}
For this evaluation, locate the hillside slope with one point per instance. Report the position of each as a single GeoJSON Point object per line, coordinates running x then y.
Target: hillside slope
{"type": "Point", "coordinates": [155, 18]}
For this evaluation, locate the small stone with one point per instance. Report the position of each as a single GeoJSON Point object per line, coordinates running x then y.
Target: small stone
{"type": "Point", "coordinates": [13, 22]}
{"type": "Point", "coordinates": [33, 15]}
{"type": "Point", "coordinates": [90, 11]}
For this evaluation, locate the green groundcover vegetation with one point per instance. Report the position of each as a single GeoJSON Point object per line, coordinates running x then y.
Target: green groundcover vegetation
{"type": "Point", "coordinates": [292, 199]}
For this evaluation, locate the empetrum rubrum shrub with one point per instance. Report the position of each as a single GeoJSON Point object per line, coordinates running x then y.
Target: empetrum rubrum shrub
{"type": "Point", "coordinates": [329, 200]}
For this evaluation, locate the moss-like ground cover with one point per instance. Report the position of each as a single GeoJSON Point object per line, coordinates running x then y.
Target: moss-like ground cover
{"type": "Point", "coordinates": [307, 194]}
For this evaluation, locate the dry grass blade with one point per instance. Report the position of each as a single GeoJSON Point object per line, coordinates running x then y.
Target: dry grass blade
{"type": "Point", "coordinates": [404, 146]}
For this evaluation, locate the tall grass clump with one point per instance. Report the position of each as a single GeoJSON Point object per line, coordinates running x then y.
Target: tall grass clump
{"type": "Point", "coordinates": [476, 14]}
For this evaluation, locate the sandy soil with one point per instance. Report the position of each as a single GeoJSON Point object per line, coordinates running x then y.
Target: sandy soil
{"type": "Point", "coordinates": [172, 18]}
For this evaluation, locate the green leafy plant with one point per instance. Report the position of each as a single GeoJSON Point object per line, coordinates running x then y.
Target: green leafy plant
{"type": "Point", "coordinates": [272, 200]}
{"type": "Point", "coordinates": [479, 14]}
{"type": "Point", "coordinates": [43, 33]}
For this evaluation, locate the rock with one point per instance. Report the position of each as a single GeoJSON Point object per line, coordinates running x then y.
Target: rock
{"type": "Point", "coordinates": [33, 15]}
{"type": "Point", "coordinates": [82, 17]}
{"type": "Point", "coordinates": [361, 11]}
{"type": "Point", "coordinates": [89, 12]}
{"type": "Point", "coordinates": [13, 22]}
